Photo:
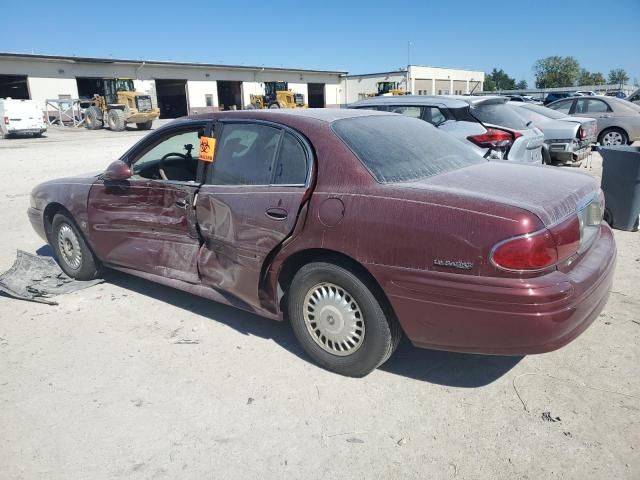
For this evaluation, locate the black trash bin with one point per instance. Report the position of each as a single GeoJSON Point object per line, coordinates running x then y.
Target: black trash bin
{"type": "Point", "coordinates": [621, 186]}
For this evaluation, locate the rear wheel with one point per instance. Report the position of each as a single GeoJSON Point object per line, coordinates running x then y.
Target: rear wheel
{"type": "Point", "coordinates": [93, 118]}
{"type": "Point", "coordinates": [274, 105]}
{"type": "Point", "coordinates": [74, 256]}
{"type": "Point", "coordinates": [115, 118]}
{"type": "Point", "coordinates": [612, 137]}
{"type": "Point", "coordinates": [144, 125]}
{"type": "Point", "coordinates": [339, 321]}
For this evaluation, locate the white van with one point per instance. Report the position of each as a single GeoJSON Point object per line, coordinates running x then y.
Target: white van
{"type": "Point", "coordinates": [21, 116]}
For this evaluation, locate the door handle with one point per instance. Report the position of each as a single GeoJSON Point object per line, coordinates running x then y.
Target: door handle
{"type": "Point", "coordinates": [182, 203]}
{"type": "Point", "coordinates": [276, 213]}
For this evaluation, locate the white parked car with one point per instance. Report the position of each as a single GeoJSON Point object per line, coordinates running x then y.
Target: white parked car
{"type": "Point", "coordinates": [21, 117]}
{"type": "Point", "coordinates": [486, 124]}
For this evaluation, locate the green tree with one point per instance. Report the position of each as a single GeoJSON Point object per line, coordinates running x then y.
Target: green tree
{"type": "Point", "coordinates": [618, 75]}
{"type": "Point", "coordinates": [522, 85]}
{"type": "Point", "coordinates": [556, 71]}
{"type": "Point", "coordinates": [590, 78]}
{"type": "Point", "coordinates": [489, 84]}
{"type": "Point", "coordinates": [501, 80]}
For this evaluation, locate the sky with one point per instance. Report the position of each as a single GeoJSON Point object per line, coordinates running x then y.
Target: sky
{"type": "Point", "coordinates": [354, 36]}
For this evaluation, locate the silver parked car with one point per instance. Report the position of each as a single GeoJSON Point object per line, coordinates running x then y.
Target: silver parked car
{"type": "Point", "coordinates": [567, 139]}
{"type": "Point", "coordinates": [485, 123]}
{"type": "Point", "coordinates": [618, 120]}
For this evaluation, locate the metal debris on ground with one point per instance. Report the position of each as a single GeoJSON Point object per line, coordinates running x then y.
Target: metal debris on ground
{"type": "Point", "coordinates": [546, 416]}
{"type": "Point", "coordinates": [37, 279]}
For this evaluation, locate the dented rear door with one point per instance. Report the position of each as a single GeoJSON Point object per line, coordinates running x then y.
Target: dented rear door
{"type": "Point", "coordinates": [250, 202]}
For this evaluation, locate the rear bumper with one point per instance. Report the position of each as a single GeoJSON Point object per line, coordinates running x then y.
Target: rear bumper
{"type": "Point", "coordinates": [18, 131]}
{"type": "Point", "coordinates": [503, 316]}
{"type": "Point", "coordinates": [37, 222]}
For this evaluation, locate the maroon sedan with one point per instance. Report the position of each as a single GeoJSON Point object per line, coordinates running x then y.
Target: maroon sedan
{"type": "Point", "coordinates": [357, 225]}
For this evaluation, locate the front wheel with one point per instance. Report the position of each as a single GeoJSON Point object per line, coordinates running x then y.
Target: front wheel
{"type": "Point", "coordinates": [116, 120]}
{"type": "Point", "coordinates": [339, 321]}
{"type": "Point", "coordinates": [144, 125]}
{"type": "Point", "coordinates": [74, 256]}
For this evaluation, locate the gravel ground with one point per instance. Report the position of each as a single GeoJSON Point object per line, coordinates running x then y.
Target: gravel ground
{"type": "Point", "coordinates": [135, 380]}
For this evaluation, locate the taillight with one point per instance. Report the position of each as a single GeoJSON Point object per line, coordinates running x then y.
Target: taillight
{"type": "Point", "coordinates": [493, 138]}
{"type": "Point", "coordinates": [539, 250]}
{"type": "Point", "coordinates": [549, 246]}
{"type": "Point", "coordinates": [6, 120]}
{"type": "Point", "coordinates": [582, 133]}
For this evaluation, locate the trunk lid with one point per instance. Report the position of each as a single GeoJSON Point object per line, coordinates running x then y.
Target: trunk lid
{"type": "Point", "coordinates": [550, 193]}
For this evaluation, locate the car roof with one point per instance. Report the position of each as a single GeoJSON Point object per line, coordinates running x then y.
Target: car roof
{"type": "Point", "coordinates": [449, 101]}
{"type": "Point", "coordinates": [326, 115]}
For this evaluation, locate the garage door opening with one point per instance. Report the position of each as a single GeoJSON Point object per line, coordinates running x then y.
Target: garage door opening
{"type": "Point", "coordinates": [172, 98]}
{"type": "Point", "coordinates": [316, 95]}
{"type": "Point", "coordinates": [230, 95]}
{"type": "Point", "coordinates": [14, 86]}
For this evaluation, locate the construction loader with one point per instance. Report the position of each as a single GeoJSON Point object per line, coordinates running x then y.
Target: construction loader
{"type": "Point", "coordinates": [277, 95]}
{"type": "Point", "coordinates": [118, 104]}
{"type": "Point", "coordinates": [388, 89]}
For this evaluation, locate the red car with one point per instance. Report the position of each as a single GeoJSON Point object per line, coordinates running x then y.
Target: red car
{"type": "Point", "coordinates": [358, 226]}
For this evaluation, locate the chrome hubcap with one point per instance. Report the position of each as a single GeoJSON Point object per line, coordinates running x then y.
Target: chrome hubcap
{"type": "Point", "coordinates": [69, 246]}
{"type": "Point", "coordinates": [612, 138]}
{"type": "Point", "coordinates": [334, 319]}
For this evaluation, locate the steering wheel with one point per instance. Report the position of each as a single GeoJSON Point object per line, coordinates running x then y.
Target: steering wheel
{"type": "Point", "coordinates": [163, 175]}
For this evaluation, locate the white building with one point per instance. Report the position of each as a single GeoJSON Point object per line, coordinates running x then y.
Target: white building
{"type": "Point", "coordinates": [417, 79]}
{"type": "Point", "coordinates": [178, 88]}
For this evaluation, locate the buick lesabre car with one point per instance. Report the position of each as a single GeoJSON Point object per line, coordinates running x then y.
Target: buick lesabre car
{"type": "Point", "coordinates": [358, 226]}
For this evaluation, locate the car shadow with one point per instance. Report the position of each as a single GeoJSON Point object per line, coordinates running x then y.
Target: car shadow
{"type": "Point", "coordinates": [437, 367]}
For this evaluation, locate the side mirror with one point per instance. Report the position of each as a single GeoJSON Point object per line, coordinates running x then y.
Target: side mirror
{"type": "Point", "coordinates": [117, 170]}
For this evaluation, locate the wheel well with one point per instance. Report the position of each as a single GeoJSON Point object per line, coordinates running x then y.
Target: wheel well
{"type": "Point", "coordinates": [50, 211]}
{"type": "Point", "coordinates": [296, 261]}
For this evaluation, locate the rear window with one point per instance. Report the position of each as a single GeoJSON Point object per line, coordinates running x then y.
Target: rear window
{"type": "Point", "coordinates": [547, 112]}
{"type": "Point", "coordinates": [498, 114]}
{"type": "Point", "coordinates": [402, 149]}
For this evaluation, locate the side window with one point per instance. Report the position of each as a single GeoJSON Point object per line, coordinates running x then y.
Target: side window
{"type": "Point", "coordinates": [245, 155]}
{"type": "Point", "coordinates": [596, 106]}
{"type": "Point", "coordinates": [174, 157]}
{"type": "Point", "coordinates": [291, 164]}
{"type": "Point", "coordinates": [409, 111]}
{"type": "Point", "coordinates": [562, 107]}
{"type": "Point", "coordinates": [434, 116]}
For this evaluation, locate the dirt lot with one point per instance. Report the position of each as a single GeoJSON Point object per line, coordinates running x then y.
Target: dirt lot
{"type": "Point", "coordinates": [134, 380]}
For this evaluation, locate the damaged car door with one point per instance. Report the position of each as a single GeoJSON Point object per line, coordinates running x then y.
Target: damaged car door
{"type": "Point", "coordinates": [147, 222]}
{"type": "Point", "coordinates": [250, 202]}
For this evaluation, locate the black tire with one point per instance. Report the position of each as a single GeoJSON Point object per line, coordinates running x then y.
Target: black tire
{"type": "Point", "coordinates": [546, 156]}
{"type": "Point", "coordinates": [87, 266]}
{"type": "Point", "coordinates": [93, 118]}
{"type": "Point", "coordinates": [144, 125]}
{"type": "Point", "coordinates": [115, 119]}
{"type": "Point", "coordinates": [613, 131]}
{"type": "Point", "coordinates": [608, 217]}
{"type": "Point", "coordinates": [275, 105]}
{"type": "Point", "coordinates": [380, 331]}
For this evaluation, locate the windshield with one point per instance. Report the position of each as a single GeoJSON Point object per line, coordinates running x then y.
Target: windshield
{"type": "Point", "coordinates": [385, 87]}
{"type": "Point", "coordinates": [124, 85]}
{"type": "Point", "coordinates": [544, 111]}
{"type": "Point", "coordinates": [395, 148]}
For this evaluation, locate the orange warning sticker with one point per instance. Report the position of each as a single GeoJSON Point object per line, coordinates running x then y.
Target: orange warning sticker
{"type": "Point", "coordinates": [207, 148]}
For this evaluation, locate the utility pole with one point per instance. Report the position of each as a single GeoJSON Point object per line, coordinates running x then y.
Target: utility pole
{"type": "Point", "coordinates": [409, 43]}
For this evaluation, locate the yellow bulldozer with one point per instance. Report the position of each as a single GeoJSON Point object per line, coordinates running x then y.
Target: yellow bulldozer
{"type": "Point", "coordinates": [277, 95]}
{"type": "Point", "coordinates": [387, 89]}
{"type": "Point", "coordinates": [118, 104]}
